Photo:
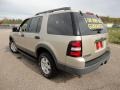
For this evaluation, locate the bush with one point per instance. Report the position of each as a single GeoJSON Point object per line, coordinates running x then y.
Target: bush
{"type": "Point", "coordinates": [114, 36]}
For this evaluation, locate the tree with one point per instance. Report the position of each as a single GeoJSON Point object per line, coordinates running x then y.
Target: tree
{"type": "Point", "coordinates": [1, 21]}
{"type": "Point", "coordinates": [110, 20]}
{"type": "Point", "coordinates": [11, 21]}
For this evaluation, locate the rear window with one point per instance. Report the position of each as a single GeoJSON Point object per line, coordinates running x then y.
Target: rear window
{"type": "Point", "coordinates": [60, 24]}
{"type": "Point", "coordinates": [90, 24]}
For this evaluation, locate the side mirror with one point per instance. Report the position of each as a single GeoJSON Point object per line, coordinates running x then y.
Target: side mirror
{"type": "Point", "coordinates": [15, 29]}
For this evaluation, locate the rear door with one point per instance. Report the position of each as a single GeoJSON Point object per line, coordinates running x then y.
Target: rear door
{"type": "Point", "coordinates": [94, 36]}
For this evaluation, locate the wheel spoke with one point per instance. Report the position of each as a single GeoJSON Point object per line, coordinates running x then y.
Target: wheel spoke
{"type": "Point", "coordinates": [13, 47]}
{"type": "Point", "coordinates": [45, 65]}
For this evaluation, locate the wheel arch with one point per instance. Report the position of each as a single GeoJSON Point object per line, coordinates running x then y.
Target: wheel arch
{"type": "Point", "coordinates": [44, 48]}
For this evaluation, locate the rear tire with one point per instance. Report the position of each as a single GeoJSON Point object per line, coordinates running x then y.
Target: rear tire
{"type": "Point", "coordinates": [47, 65]}
{"type": "Point", "coordinates": [13, 47]}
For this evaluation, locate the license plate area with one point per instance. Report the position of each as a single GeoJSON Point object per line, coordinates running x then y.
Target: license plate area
{"type": "Point", "coordinates": [99, 45]}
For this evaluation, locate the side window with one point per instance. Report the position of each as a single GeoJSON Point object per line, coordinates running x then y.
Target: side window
{"type": "Point", "coordinates": [35, 25]}
{"type": "Point", "coordinates": [60, 24]}
{"type": "Point", "coordinates": [24, 26]}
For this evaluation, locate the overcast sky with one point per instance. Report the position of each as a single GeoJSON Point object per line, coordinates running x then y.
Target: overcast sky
{"type": "Point", "coordinates": [26, 8]}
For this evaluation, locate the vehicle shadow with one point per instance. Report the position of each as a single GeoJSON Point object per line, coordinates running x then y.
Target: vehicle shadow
{"type": "Point", "coordinates": [61, 77]}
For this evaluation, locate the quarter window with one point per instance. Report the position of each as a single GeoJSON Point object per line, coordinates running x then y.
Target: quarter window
{"type": "Point", "coordinates": [60, 24]}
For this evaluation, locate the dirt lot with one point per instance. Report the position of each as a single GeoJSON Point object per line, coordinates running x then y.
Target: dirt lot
{"type": "Point", "coordinates": [19, 73]}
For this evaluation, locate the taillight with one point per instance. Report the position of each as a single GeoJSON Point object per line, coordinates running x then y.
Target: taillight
{"type": "Point", "coordinates": [99, 45]}
{"type": "Point", "coordinates": [75, 49]}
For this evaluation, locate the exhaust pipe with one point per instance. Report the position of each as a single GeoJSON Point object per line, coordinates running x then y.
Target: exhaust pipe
{"type": "Point", "coordinates": [105, 62]}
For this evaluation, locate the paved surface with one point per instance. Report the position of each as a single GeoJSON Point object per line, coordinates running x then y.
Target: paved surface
{"type": "Point", "coordinates": [19, 73]}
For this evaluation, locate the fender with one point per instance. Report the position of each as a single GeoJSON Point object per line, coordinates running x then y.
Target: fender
{"type": "Point", "coordinates": [48, 49]}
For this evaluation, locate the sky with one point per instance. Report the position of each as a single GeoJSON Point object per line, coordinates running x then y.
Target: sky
{"type": "Point", "coordinates": [26, 8]}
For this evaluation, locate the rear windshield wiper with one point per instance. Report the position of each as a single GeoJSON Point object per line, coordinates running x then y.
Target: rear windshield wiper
{"type": "Point", "coordinates": [98, 30]}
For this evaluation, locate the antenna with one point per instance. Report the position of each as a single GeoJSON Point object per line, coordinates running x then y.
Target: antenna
{"type": "Point", "coordinates": [97, 15]}
{"type": "Point", "coordinates": [81, 13]}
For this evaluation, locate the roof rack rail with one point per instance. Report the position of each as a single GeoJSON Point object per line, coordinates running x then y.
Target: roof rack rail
{"type": "Point", "coordinates": [49, 11]}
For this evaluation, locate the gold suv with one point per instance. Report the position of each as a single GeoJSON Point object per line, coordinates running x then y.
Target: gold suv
{"type": "Point", "coordinates": [63, 39]}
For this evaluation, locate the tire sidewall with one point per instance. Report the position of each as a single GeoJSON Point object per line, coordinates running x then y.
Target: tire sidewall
{"type": "Point", "coordinates": [15, 46]}
{"type": "Point", "coordinates": [52, 65]}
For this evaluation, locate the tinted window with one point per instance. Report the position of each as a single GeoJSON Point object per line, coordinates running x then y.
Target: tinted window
{"type": "Point", "coordinates": [90, 25]}
{"type": "Point", "coordinates": [60, 24]}
{"type": "Point", "coordinates": [35, 25]}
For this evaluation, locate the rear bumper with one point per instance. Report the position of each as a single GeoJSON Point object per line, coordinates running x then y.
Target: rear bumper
{"type": "Point", "coordinates": [91, 65]}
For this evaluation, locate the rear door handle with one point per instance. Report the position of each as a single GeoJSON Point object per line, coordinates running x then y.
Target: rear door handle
{"type": "Point", "coordinates": [37, 37]}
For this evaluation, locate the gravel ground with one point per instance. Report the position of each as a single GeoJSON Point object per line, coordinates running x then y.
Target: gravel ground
{"type": "Point", "coordinates": [19, 73]}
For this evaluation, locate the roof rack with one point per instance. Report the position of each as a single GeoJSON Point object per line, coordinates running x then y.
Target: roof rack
{"type": "Point", "coordinates": [49, 11]}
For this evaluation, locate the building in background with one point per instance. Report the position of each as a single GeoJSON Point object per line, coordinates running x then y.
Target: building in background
{"type": "Point", "coordinates": [109, 25]}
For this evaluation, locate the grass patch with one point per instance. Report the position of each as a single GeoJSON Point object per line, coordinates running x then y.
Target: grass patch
{"type": "Point", "coordinates": [114, 29]}
{"type": "Point", "coordinates": [114, 35]}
